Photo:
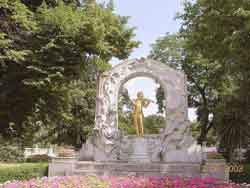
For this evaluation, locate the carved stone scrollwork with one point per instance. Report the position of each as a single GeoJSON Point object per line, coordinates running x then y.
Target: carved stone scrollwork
{"type": "Point", "coordinates": [109, 129]}
{"type": "Point", "coordinates": [175, 139]}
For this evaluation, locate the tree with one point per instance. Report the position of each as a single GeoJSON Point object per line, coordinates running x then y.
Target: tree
{"type": "Point", "coordinates": [216, 61]}
{"type": "Point", "coordinates": [17, 26]}
{"type": "Point", "coordinates": [125, 109]}
{"type": "Point", "coordinates": [215, 46]}
{"type": "Point", "coordinates": [153, 124]}
{"type": "Point", "coordinates": [51, 55]}
{"type": "Point", "coordinates": [168, 49]}
{"type": "Point", "coordinates": [219, 31]}
{"type": "Point", "coordinates": [173, 49]}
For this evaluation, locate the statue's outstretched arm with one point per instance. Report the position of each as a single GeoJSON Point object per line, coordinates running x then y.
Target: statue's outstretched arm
{"type": "Point", "coordinates": [146, 102]}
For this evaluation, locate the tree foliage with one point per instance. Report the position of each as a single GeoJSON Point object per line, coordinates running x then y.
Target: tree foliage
{"type": "Point", "coordinates": [202, 91]}
{"type": "Point", "coordinates": [51, 54]}
{"type": "Point", "coordinates": [215, 57]}
{"type": "Point", "coordinates": [220, 32]}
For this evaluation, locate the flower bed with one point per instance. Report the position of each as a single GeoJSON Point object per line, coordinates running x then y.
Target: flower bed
{"type": "Point", "coordinates": [119, 182]}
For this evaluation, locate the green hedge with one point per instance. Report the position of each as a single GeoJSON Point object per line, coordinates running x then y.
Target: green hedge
{"type": "Point", "coordinates": [22, 171]}
{"type": "Point", "coordinates": [10, 153]}
{"type": "Point", "coordinates": [38, 159]}
{"type": "Point", "coordinates": [243, 177]}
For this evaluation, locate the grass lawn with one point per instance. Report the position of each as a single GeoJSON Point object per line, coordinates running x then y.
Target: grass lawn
{"type": "Point", "coordinates": [9, 165]}
{"type": "Point", "coordinates": [22, 171]}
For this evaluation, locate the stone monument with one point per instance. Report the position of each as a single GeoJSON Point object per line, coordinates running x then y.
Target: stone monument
{"type": "Point", "coordinates": [173, 145]}
{"type": "Point", "coordinates": [109, 152]}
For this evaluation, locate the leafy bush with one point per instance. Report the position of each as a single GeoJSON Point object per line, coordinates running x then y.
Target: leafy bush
{"type": "Point", "coordinates": [22, 171]}
{"type": "Point", "coordinates": [242, 177]}
{"type": "Point", "coordinates": [126, 124]}
{"type": "Point", "coordinates": [9, 153]}
{"type": "Point", "coordinates": [152, 124]}
{"type": "Point", "coordinates": [38, 158]}
{"type": "Point", "coordinates": [214, 155]}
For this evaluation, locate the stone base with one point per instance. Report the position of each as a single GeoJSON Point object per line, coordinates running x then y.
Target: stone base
{"type": "Point", "coordinates": [139, 149]}
{"type": "Point", "coordinates": [62, 166]}
{"type": "Point", "coordinates": [131, 148]}
{"type": "Point", "coordinates": [137, 169]}
{"type": "Point", "coordinates": [216, 168]}
{"type": "Point", "coordinates": [70, 166]}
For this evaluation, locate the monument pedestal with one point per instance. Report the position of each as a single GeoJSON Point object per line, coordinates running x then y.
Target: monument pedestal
{"type": "Point", "coordinates": [70, 166]}
{"type": "Point", "coordinates": [131, 148]}
{"type": "Point", "coordinates": [138, 149]}
{"type": "Point", "coordinates": [137, 169]}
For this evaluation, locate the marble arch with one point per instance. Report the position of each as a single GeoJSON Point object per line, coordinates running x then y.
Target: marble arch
{"type": "Point", "coordinates": [175, 143]}
{"type": "Point", "coordinates": [171, 153]}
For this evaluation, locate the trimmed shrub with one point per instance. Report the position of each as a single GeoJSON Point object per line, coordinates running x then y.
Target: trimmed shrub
{"type": "Point", "coordinates": [22, 171]}
{"type": "Point", "coordinates": [38, 158]}
{"type": "Point", "coordinates": [9, 153]}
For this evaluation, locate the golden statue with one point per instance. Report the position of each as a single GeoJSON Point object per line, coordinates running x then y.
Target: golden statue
{"type": "Point", "coordinates": [139, 103]}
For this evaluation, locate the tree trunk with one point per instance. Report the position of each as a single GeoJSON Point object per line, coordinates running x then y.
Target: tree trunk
{"type": "Point", "coordinates": [204, 126]}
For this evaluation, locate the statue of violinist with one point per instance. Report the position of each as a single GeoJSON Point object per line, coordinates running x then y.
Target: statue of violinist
{"type": "Point", "coordinates": [138, 104]}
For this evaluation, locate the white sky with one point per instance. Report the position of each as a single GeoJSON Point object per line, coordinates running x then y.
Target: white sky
{"type": "Point", "coordinates": [149, 86]}
{"type": "Point", "coordinates": [138, 84]}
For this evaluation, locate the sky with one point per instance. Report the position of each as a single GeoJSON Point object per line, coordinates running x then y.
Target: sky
{"type": "Point", "coordinates": [152, 19]}
{"type": "Point", "coordinates": [148, 86]}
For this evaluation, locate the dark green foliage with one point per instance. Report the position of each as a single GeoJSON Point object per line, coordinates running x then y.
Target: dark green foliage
{"type": "Point", "coordinates": [10, 153]}
{"type": "Point", "coordinates": [160, 96]}
{"type": "Point", "coordinates": [243, 177]}
{"type": "Point", "coordinates": [126, 125]}
{"type": "Point", "coordinates": [174, 51]}
{"type": "Point", "coordinates": [211, 139]}
{"type": "Point", "coordinates": [125, 109]}
{"type": "Point", "coordinates": [212, 48]}
{"type": "Point", "coordinates": [219, 30]}
{"type": "Point", "coordinates": [38, 158]}
{"type": "Point", "coordinates": [51, 53]}
{"type": "Point", "coordinates": [153, 124]}
{"type": "Point", "coordinates": [124, 101]}
{"type": "Point", "coordinates": [22, 171]}
{"type": "Point", "coordinates": [247, 156]}
{"type": "Point", "coordinates": [169, 50]}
